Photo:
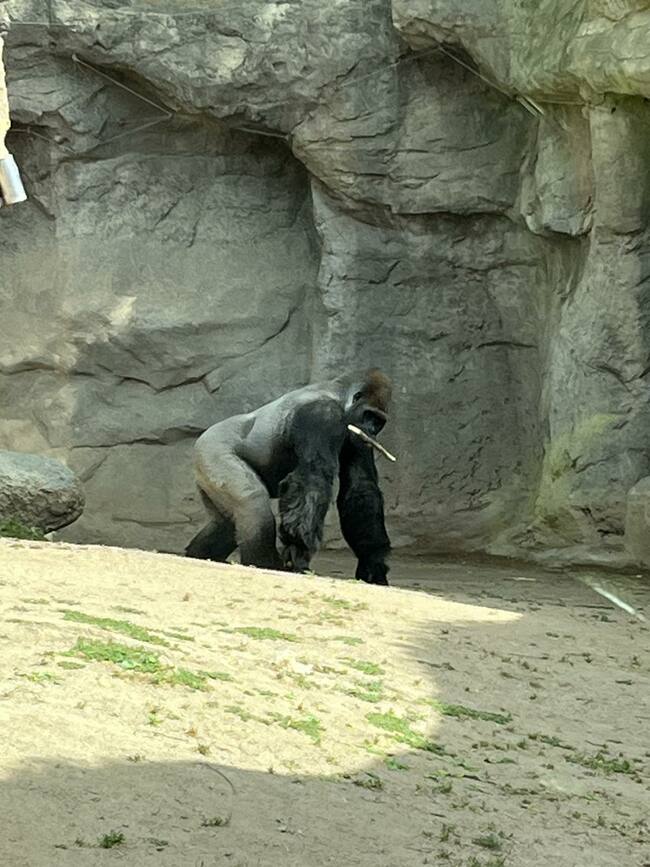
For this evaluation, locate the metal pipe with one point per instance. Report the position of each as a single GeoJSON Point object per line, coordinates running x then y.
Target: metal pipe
{"type": "Point", "coordinates": [11, 185]}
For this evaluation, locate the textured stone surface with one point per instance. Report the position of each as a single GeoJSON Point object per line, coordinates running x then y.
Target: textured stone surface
{"type": "Point", "coordinates": [38, 491]}
{"type": "Point", "coordinates": [441, 142]}
{"type": "Point", "coordinates": [637, 522]}
{"type": "Point", "coordinates": [332, 188]}
{"type": "Point", "coordinates": [455, 310]}
{"type": "Point", "coordinates": [542, 48]}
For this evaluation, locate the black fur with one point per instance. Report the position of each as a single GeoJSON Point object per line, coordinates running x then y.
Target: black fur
{"type": "Point", "coordinates": [216, 541]}
{"type": "Point", "coordinates": [292, 448]}
{"type": "Point", "coordinates": [316, 433]}
{"type": "Point", "coordinates": [360, 505]}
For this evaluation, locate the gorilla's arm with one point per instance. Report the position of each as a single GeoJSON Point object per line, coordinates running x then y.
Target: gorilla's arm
{"type": "Point", "coordinates": [361, 511]}
{"type": "Point", "coordinates": [315, 431]}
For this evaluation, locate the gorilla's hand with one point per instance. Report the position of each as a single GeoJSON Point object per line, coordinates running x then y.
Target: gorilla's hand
{"type": "Point", "coordinates": [316, 433]}
{"type": "Point", "coordinates": [296, 558]}
{"type": "Point", "coordinates": [361, 511]}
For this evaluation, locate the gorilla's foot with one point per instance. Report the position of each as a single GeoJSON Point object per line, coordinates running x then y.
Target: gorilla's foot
{"type": "Point", "coordinates": [373, 572]}
{"type": "Point", "coordinates": [212, 543]}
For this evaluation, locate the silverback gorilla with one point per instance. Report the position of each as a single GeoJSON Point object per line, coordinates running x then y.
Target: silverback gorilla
{"type": "Point", "coordinates": [291, 449]}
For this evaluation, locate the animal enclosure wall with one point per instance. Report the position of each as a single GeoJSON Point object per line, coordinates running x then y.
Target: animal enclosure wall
{"type": "Point", "coordinates": [325, 195]}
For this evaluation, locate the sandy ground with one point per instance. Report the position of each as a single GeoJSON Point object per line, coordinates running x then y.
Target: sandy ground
{"type": "Point", "coordinates": [160, 711]}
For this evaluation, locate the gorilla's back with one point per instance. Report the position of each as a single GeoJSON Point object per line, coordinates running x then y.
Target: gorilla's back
{"type": "Point", "coordinates": [260, 437]}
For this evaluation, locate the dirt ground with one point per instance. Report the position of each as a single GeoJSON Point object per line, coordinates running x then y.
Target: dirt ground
{"type": "Point", "coordinates": [161, 711]}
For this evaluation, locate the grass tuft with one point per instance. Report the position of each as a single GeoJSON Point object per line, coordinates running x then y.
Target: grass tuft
{"type": "Point", "coordinates": [217, 675]}
{"type": "Point", "coordinates": [400, 729]}
{"type": "Point", "coordinates": [138, 659]}
{"type": "Point", "coordinates": [601, 763]}
{"type": "Point", "coordinates": [41, 677]}
{"type": "Point", "coordinates": [14, 529]}
{"type": "Point", "coordinates": [370, 668]}
{"type": "Point", "coordinates": [460, 711]}
{"type": "Point", "coordinates": [265, 633]}
{"type": "Point", "coordinates": [371, 691]}
{"type": "Point", "coordinates": [350, 640]}
{"type": "Point", "coordinates": [124, 627]}
{"type": "Point", "coordinates": [110, 840]}
{"type": "Point", "coordinates": [215, 822]}
{"type": "Point", "coordinates": [308, 725]}
{"type": "Point", "coordinates": [123, 655]}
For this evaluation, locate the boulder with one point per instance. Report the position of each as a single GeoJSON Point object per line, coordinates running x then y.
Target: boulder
{"type": "Point", "coordinates": [36, 491]}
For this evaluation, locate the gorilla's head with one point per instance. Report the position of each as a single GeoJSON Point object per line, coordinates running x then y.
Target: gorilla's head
{"type": "Point", "coordinates": [368, 402]}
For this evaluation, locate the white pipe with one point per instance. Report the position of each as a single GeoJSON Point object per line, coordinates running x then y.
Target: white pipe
{"type": "Point", "coordinates": [11, 185]}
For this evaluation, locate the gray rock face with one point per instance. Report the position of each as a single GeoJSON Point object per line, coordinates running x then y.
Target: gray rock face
{"type": "Point", "coordinates": [309, 186]}
{"type": "Point", "coordinates": [541, 48]}
{"type": "Point", "coordinates": [38, 491]}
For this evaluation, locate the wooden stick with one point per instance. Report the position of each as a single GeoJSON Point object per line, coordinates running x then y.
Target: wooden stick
{"type": "Point", "coordinates": [364, 436]}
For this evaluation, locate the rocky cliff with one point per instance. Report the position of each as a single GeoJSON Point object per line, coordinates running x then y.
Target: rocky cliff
{"type": "Point", "coordinates": [230, 200]}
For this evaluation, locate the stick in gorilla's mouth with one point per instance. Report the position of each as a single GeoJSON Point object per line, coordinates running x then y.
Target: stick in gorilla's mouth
{"type": "Point", "coordinates": [364, 436]}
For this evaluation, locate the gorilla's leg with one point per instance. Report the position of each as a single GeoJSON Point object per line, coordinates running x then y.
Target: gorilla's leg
{"type": "Point", "coordinates": [316, 435]}
{"type": "Point", "coordinates": [236, 490]}
{"type": "Point", "coordinates": [216, 541]}
{"type": "Point", "coordinates": [361, 512]}
{"type": "Point", "coordinates": [255, 524]}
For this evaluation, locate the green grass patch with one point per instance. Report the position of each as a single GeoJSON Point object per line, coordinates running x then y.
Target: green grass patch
{"type": "Point", "coordinates": [70, 665]}
{"type": "Point", "coordinates": [394, 764]}
{"type": "Point", "coordinates": [488, 841]}
{"type": "Point", "coordinates": [180, 636]}
{"type": "Point", "coordinates": [370, 668]}
{"type": "Point", "coordinates": [125, 656]}
{"type": "Point", "coordinates": [400, 729]}
{"type": "Point", "coordinates": [215, 822]}
{"type": "Point", "coordinates": [350, 640]}
{"type": "Point", "coordinates": [265, 633]}
{"type": "Point", "coordinates": [371, 691]}
{"type": "Point", "coordinates": [601, 763]}
{"type": "Point", "coordinates": [124, 627]}
{"type": "Point", "coordinates": [41, 677]}
{"type": "Point", "coordinates": [217, 675]}
{"type": "Point", "coordinates": [241, 712]}
{"type": "Point", "coordinates": [110, 840]}
{"type": "Point", "coordinates": [182, 677]}
{"type": "Point", "coordinates": [344, 604]}
{"type": "Point", "coordinates": [460, 711]}
{"type": "Point", "coordinates": [159, 844]}
{"type": "Point", "coordinates": [14, 529]}
{"type": "Point", "coordinates": [308, 725]}
{"type": "Point", "coordinates": [369, 781]}
{"type": "Point", "coordinates": [300, 680]}
{"type": "Point", "coordinates": [550, 740]}
{"type": "Point", "coordinates": [138, 659]}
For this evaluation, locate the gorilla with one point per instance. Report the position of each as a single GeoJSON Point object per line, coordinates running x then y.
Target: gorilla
{"type": "Point", "coordinates": [291, 450]}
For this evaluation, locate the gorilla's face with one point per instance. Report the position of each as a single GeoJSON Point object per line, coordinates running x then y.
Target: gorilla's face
{"type": "Point", "coordinates": [364, 415]}
{"type": "Point", "coordinates": [368, 401]}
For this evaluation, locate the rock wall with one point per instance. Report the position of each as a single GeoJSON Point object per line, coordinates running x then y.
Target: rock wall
{"type": "Point", "coordinates": [457, 192]}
